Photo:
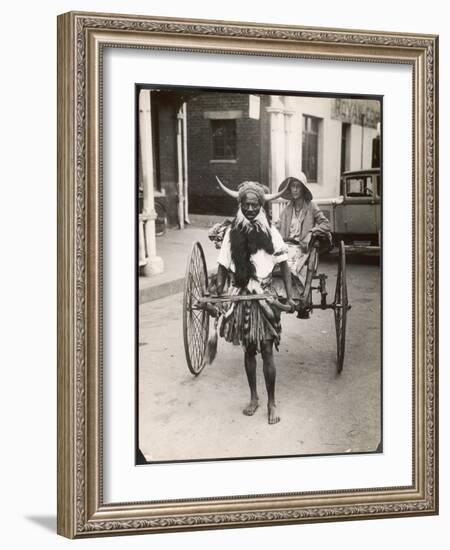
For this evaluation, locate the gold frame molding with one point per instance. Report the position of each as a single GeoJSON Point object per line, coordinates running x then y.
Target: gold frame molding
{"type": "Point", "coordinates": [81, 37]}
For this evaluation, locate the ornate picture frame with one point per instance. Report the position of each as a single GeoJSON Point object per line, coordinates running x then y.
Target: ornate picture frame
{"type": "Point", "coordinates": [82, 39]}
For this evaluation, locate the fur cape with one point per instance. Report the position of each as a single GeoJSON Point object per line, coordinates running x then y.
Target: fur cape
{"type": "Point", "coordinates": [246, 238]}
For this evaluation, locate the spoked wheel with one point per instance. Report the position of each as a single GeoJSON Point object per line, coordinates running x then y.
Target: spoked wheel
{"type": "Point", "coordinates": [341, 307]}
{"type": "Point", "coordinates": [195, 320]}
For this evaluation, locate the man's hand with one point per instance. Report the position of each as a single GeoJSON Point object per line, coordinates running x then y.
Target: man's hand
{"type": "Point", "coordinates": [221, 278]}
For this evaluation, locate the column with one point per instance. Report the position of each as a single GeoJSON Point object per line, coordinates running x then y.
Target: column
{"type": "Point", "coordinates": [185, 166]}
{"type": "Point", "coordinates": [180, 167]}
{"type": "Point", "coordinates": [277, 148]}
{"type": "Point", "coordinates": [154, 263]}
{"type": "Point", "coordinates": [292, 137]}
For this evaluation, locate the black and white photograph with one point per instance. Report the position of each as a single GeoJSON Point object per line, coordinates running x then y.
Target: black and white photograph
{"type": "Point", "coordinates": [258, 231]}
{"type": "Point", "coordinates": [227, 257]}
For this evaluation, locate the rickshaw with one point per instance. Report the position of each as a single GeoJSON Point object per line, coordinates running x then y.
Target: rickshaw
{"type": "Point", "coordinates": [199, 303]}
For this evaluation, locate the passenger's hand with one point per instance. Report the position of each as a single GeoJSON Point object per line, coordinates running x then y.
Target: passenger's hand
{"type": "Point", "coordinates": [290, 302]}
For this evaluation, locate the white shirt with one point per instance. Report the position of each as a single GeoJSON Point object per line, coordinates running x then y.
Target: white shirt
{"type": "Point", "coordinates": [262, 260]}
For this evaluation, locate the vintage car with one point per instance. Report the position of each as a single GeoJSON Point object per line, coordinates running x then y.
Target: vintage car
{"type": "Point", "coordinates": [355, 215]}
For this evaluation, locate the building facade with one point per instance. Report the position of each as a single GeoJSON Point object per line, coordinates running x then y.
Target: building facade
{"type": "Point", "coordinates": [268, 138]}
{"type": "Point", "coordinates": [235, 136]}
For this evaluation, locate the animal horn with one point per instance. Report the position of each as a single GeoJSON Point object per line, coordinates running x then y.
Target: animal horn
{"type": "Point", "coordinates": [273, 196]}
{"type": "Point", "coordinates": [230, 192]}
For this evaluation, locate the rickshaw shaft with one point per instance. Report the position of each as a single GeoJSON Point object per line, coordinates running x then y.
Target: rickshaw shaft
{"type": "Point", "coordinates": [237, 298]}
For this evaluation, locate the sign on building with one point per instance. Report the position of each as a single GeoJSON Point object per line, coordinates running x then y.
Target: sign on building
{"type": "Point", "coordinates": [254, 103]}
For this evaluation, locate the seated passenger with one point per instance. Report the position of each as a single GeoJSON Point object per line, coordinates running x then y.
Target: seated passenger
{"type": "Point", "coordinates": [300, 220]}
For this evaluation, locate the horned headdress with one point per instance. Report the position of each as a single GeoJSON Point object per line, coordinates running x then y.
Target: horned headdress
{"type": "Point", "coordinates": [251, 186]}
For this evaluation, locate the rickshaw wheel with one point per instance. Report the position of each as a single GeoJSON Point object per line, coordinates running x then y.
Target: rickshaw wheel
{"type": "Point", "coordinates": [195, 321]}
{"type": "Point", "coordinates": [341, 307]}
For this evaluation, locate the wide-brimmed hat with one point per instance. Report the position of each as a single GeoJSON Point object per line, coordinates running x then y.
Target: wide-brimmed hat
{"type": "Point", "coordinates": [302, 180]}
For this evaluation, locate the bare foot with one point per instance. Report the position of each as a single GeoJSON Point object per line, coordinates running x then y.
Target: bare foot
{"type": "Point", "coordinates": [271, 414]}
{"type": "Point", "coordinates": [250, 409]}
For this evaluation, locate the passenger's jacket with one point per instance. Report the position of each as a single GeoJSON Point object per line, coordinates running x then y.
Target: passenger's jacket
{"type": "Point", "coordinates": [311, 216]}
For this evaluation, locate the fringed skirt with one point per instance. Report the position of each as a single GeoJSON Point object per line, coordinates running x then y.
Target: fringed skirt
{"type": "Point", "coordinates": [249, 323]}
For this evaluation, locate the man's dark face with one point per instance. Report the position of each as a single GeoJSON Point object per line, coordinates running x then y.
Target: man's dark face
{"type": "Point", "coordinates": [250, 206]}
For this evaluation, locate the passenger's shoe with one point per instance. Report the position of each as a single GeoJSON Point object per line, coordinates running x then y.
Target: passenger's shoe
{"type": "Point", "coordinates": [304, 314]}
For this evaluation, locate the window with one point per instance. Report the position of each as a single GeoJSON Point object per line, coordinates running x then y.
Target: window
{"type": "Point", "coordinates": [310, 147]}
{"type": "Point", "coordinates": [355, 187]}
{"type": "Point", "coordinates": [376, 152]}
{"type": "Point", "coordinates": [223, 139]}
{"type": "Point", "coordinates": [360, 187]}
{"type": "Point", "coordinates": [345, 147]}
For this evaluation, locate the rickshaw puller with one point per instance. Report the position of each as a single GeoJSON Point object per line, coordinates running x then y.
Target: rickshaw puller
{"type": "Point", "coordinates": [250, 250]}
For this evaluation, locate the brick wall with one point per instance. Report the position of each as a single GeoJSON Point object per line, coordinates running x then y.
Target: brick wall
{"type": "Point", "coordinates": [205, 196]}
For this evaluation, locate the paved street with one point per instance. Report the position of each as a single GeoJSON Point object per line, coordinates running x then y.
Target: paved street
{"type": "Point", "coordinates": [183, 417]}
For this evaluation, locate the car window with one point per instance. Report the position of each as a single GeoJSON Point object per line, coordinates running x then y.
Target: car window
{"type": "Point", "coordinates": [355, 187]}
{"type": "Point", "coordinates": [369, 190]}
{"type": "Point", "coordinates": [363, 186]}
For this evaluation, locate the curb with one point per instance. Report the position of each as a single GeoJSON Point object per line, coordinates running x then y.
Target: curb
{"type": "Point", "coordinates": [160, 291]}
{"type": "Point", "coordinates": [151, 293]}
